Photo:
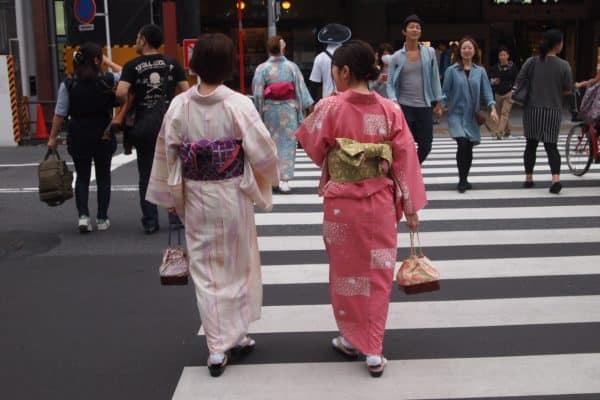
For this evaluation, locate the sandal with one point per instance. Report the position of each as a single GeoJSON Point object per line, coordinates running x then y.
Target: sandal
{"type": "Point", "coordinates": [217, 370]}
{"type": "Point", "coordinates": [338, 344]}
{"type": "Point", "coordinates": [243, 348]}
{"type": "Point", "coordinates": [377, 370]}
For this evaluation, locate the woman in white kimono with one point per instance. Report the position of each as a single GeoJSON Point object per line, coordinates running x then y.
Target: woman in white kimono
{"type": "Point", "coordinates": [214, 159]}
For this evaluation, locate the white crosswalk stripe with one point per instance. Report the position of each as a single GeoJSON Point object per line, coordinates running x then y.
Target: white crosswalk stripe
{"type": "Point", "coordinates": [517, 316]}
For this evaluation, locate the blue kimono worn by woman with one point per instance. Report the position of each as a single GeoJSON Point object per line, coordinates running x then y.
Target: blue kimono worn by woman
{"type": "Point", "coordinates": [466, 86]}
{"type": "Point", "coordinates": [281, 97]}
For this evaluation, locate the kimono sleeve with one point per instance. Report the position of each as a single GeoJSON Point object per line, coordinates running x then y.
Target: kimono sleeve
{"type": "Point", "coordinates": [260, 153]}
{"type": "Point", "coordinates": [316, 134]}
{"type": "Point", "coordinates": [165, 187]}
{"type": "Point", "coordinates": [258, 88]}
{"type": "Point", "coordinates": [410, 188]}
{"type": "Point", "coordinates": [303, 96]}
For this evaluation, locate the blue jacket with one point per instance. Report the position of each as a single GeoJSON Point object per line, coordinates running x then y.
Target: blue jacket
{"type": "Point", "coordinates": [462, 104]}
{"type": "Point", "coordinates": [431, 74]}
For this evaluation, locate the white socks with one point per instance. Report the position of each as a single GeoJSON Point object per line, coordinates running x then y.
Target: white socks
{"type": "Point", "coordinates": [246, 341]}
{"type": "Point", "coordinates": [346, 343]}
{"type": "Point", "coordinates": [373, 361]}
{"type": "Point", "coordinates": [216, 358]}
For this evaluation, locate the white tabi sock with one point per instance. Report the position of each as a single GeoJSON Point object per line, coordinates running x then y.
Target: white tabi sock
{"type": "Point", "coordinates": [346, 343]}
{"type": "Point", "coordinates": [216, 358]}
{"type": "Point", "coordinates": [374, 361]}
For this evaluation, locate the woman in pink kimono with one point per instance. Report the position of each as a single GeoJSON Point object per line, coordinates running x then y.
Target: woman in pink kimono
{"type": "Point", "coordinates": [370, 178]}
{"type": "Point", "coordinates": [214, 160]}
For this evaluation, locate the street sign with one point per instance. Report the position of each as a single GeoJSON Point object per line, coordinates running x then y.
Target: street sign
{"type": "Point", "coordinates": [188, 50]}
{"type": "Point", "coordinates": [85, 11]}
{"type": "Point", "coordinates": [86, 27]}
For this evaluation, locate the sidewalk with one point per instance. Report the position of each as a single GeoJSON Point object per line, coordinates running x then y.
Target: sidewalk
{"type": "Point", "coordinates": [516, 124]}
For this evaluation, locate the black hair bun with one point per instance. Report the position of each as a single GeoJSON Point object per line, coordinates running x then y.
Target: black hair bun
{"type": "Point", "coordinates": [373, 74]}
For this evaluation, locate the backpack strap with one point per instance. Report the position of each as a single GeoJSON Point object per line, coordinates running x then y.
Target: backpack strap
{"type": "Point", "coordinates": [70, 82]}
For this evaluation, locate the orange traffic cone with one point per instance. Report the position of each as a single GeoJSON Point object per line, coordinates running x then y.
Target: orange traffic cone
{"type": "Point", "coordinates": [41, 131]}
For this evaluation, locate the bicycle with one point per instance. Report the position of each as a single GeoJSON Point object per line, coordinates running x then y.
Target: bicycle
{"type": "Point", "coordinates": [582, 148]}
{"type": "Point", "coordinates": [582, 143]}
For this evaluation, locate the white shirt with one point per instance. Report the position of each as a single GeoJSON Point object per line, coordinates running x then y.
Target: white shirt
{"type": "Point", "coordinates": [321, 71]}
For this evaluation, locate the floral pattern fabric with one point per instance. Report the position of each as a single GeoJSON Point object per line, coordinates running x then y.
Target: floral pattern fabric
{"type": "Point", "coordinates": [360, 218]}
{"type": "Point", "coordinates": [282, 117]}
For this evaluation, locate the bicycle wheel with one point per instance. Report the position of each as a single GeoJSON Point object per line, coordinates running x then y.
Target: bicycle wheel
{"type": "Point", "coordinates": [579, 149]}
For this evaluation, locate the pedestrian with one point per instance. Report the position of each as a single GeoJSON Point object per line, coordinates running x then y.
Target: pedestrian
{"type": "Point", "coordinates": [365, 196]}
{"type": "Point", "coordinates": [382, 58]}
{"type": "Point", "coordinates": [88, 98]}
{"type": "Point", "coordinates": [550, 79]}
{"type": "Point", "coordinates": [445, 58]}
{"type": "Point", "coordinates": [466, 87]}
{"type": "Point", "coordinates": [502, 78]}
{"type": "Point", "coordinates": [591, 81]}
{"type": "Point", "coordinates": [281, 98]}
{"type": "Point", "coordinates": [414, 82]}
{"type": "Point", "coordinates": [214, 160]}
{"type": "Point", "coordinates": [332, 35]}
{"type": "Point", "coordinates": [154, 80]}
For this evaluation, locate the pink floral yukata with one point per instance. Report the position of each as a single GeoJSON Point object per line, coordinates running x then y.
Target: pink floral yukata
{"type": "Point", "coordinates": [360, 218]}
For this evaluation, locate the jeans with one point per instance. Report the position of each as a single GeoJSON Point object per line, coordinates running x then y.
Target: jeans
{"type": "Point", "coordinates": [83, 168]}
{"type": "Point", "coordinates": [420, 122]}
{"type": "Point", "coordinates": [145, 157]}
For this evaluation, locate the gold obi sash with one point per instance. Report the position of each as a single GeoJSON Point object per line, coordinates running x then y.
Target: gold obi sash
{"type": "Point", "coordinates": [355, 161]}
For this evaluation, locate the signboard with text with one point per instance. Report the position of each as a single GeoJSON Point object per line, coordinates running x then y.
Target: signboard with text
{"type": "Point", "coordinates": [188, 50]}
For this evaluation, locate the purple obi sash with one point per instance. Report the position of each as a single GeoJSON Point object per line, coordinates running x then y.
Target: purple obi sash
{"type": "Point", "coordinates": [206, 160]}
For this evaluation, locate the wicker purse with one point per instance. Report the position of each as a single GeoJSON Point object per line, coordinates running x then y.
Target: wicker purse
{"type": "Point", "coordinates": [417, 273]}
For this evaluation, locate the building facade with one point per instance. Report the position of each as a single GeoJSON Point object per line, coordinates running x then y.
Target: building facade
{"type": "Point", "coordinates": [517, 24]}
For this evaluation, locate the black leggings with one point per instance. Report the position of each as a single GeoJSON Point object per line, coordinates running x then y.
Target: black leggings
{"type": "Point", "coordinates": [464, 158]}
{"type": "Point", "coordinates": [530, 154]}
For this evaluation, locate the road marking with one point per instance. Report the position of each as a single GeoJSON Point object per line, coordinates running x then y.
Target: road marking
{"type": "Point", "coordinates": [450, 239]}
{"type": "Point", "coordinates": [441, 214]}
{"type": "Point", "coordinates": [440, 314]}
{"type": "Point", "coordinates": [452, 269]}
{"type": "Point", "coordinates": [449, 378]}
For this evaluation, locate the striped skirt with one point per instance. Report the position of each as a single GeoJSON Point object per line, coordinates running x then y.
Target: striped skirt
{"type": "Point", "coordinates": [542, 124]}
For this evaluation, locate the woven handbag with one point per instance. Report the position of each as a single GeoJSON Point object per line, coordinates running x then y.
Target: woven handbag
{"type": "Point", "coordinates": [174, 269]}
{"type": "Point", "coordinates": [417, 273]}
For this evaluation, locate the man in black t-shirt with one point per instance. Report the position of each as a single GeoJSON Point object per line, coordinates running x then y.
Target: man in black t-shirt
{"type": "Point", "coordinates": [154, 79]}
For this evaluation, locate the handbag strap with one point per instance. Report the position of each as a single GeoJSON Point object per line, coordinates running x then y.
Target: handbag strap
{"type": "Point", "coordinates": [415, 244]}
{"type": "Point", "coordinates": [170, 232]}
{"type": "Point", "coordinates": [52, 152]}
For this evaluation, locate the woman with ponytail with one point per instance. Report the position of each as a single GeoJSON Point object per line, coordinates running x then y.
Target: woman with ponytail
{"type": "Point", "coordinates": [371, 177]}
{"type": "Point", "coordinates": [550, 79]}
{"type": "Point", "coordinates": [88, 98]}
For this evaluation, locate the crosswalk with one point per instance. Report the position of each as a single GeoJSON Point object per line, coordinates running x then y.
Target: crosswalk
{"type": "Point", "coordinates": [517, 316]}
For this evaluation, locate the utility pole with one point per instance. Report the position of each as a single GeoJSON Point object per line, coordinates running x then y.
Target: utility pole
{"type": "Point", "coordinates": [272, 19]}
{"type": "Point", "coordinates": [23, 59]}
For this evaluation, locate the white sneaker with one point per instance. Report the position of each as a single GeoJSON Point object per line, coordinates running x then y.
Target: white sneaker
{"type": "Point", "coordinates": [102, 224]}
{"type": "Point", "coordinates": [84, 224]}
{"type": "Point", "coordinates": [284, 187]}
